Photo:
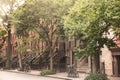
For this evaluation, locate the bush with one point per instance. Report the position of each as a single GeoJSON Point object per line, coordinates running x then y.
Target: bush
{"type": "Point", "coordinates": [96, 77]}
{"type": "Point", "coordinates": [47, 72]}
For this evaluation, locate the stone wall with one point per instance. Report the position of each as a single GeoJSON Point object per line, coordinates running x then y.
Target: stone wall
{"type": "Point", "coordinates": [106, 57]}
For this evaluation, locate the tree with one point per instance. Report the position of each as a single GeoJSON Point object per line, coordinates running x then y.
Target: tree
{"type": "Point", "coordinates": [7, 8]}
{"type": "Point", "coordinates": [2, 37]}
{"type": "Point", "coordinates": [44, 18]}
{"type": "Point", "coordinates": [93, 19]}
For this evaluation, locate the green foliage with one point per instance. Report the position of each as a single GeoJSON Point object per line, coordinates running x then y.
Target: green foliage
{"type": "Point", "coordinates": [43, 17]}
{"type": "Point", "coordinates": [22, 44]}
{"type": "Point", "coordinates": [2, 59]}
{"type": "Point", "coordinates": [7, 8]}
{"type": "Point", "coordinates": [2, 32]}
{"type": "Point", "coordinates": [22, 48]}
{"type": "Point", "coordinates": [47, 72]}
{"type": "Point", "coordinates": [2, 37]}
{"type": "Point", "coordinates": [93, 19]}
{"type": "Point", "coordinates": [30, 13]}
{"type": "Point", "coordinates": [79, 52]}
{"type": "Point", "coordinates": [96, 77]}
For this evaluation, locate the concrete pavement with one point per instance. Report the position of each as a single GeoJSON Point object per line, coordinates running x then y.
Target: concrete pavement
{"type": "Point", "coordinates": [64, 75]}
{"type": "Point", "coordinates": [5, 75]}
{"type": "Point", "coordinates": [114, 78]}
{"type": "Point", "coordinates": [58, 75]}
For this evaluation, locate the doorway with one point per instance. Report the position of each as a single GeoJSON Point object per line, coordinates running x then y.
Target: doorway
{"type": "Point", "coordinates": [118, 60]}
{"type": "Point", "coordinates": [62, 64]}
{"type": "Point", "coordinates": [116, 65]}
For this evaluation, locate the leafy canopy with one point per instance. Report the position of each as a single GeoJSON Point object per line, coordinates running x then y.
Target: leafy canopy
{"type": "Point", "coordinates": [32, 11]}
{"type": "Point", "coordinates": [92, 19]}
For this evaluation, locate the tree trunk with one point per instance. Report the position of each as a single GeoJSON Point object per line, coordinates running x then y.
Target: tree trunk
{"type": "Point", "coordinates": [51, 63]}
{"type": "Point", "coordinates": [20, 61]}
{"type": "Point", "coordinates": [51, 56]}
{"type": "Point", "coordinates": [9, 50]}
{"type": "Point", "coordinates": [96, 63]}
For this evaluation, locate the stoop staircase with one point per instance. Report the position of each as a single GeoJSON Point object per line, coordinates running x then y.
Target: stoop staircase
{"type": "Point", "coordinates": [84, 68]}
{"type": "Point", "coordinates": [82, 65]}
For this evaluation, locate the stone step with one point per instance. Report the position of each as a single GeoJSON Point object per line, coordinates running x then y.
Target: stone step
{"type": "Point", "coordinates": [83, 69]}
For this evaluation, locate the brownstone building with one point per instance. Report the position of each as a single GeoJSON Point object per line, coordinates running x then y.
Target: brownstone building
{"type": "Point", "coordinates": [65, 56]}
{"type": "Point", "coordinates": [111, 59]}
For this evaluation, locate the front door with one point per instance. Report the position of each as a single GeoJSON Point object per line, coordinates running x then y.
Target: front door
{"type": "Point", "coordinates": [118, 60]}
{"type": "Point", "coordinates": [116, 65]}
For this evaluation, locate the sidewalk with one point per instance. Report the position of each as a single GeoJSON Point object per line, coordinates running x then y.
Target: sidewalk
{"type": "Point", "coordinates": [32, 72]}
{"type": "Point", "coordinates": [114, 78]}
{"type": "Point", "coordinates": [62, 75]}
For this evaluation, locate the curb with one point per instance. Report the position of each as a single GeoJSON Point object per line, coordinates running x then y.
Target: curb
{"type": "Point", "coordinates": [59, 77]}
{"type": "Point", "coordinates": [36, 74]}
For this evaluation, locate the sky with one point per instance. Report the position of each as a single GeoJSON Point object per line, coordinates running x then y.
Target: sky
{"type": "Point", "coordinates": [5, 4]}
{"type": "Point", "coordinates": [5, 7]}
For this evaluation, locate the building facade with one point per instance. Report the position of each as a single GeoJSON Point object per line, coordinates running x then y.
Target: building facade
{"type": "Point", "coordinates": [111, 59]}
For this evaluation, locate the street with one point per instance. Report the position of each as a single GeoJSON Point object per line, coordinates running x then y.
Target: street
{"type": "Point", "coordinates": [17, 76]}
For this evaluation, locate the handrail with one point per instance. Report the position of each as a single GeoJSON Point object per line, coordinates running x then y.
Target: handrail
{"type": "Point", "coordinates": [82, 58]}
{"type": "Point", "coordinates": [82, 61]}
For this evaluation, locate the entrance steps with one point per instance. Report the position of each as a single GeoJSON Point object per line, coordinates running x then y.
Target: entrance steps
{"type": "Point", "coordinates": [83, 69]}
